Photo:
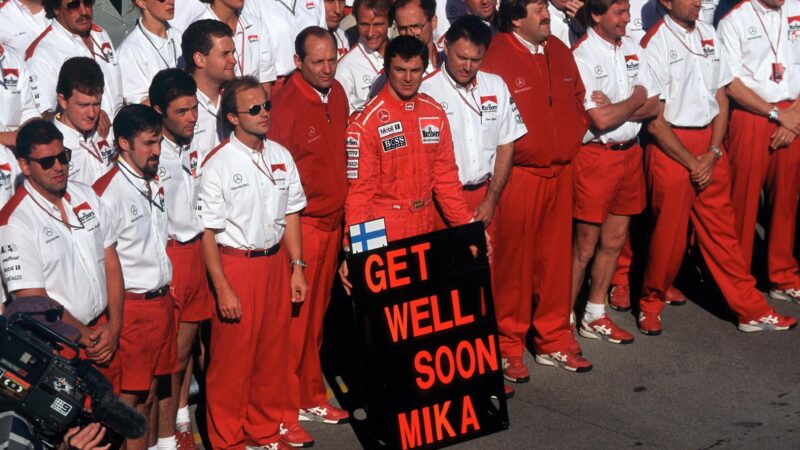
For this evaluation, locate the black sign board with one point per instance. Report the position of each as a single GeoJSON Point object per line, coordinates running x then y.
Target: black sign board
{"type": "Point", "coordinates": [413, 354]}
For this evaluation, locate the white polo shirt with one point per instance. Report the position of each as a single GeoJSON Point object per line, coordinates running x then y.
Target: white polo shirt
{"type": "Point", "coordinates": [140, 219]}
{"type": "Point", "coordinates": [356, 72]}
{"type": "Point", "coordinates": [447, 11]}
{"type": "Point", "coordinates": [54, 46]}
{"type": "Point", "coordinates": [38, 250]}
{"type": "Point", "coordinates": [92, 156]}
{"type": "Point", "coordinates": [342, 43]}
{"type": "Point", "coordinates": [750, 45]}
{"type": "Point", "coordinates": [145, 54]}
{"type": "Point", "coordinates": [644, 14]}
{"type": "Point", "coordinates": [284, 20]}
{"type": "Point", "coordinates": [481, 117]}
{"type": "Point", "coordinates": [564, 27]}
{"type": "Point", "coordinates": [178, 172]}
{"type": "Point", "coordinates": [10, 175]}
{"type": "Point", "coordinates": [614, 70]}
{"type": "Point", "coordinates": [16, 99]}
{"type": "Point", "coordinates": [186, 11]}
{"type": "Point", "coordinates": [18, 26]}
{"type": "Point", "coordinates": [707, 10]}
{"type": "Point", "coordinates": [207, 134]}
{"type": "Point", "coordinates": [246, 194]}
{"type": "Point", "coordinates": [688, 67]}
{"type": "Point", "coordinates": [253, 48]}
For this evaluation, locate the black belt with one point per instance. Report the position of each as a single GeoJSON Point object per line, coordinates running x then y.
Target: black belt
{"type": "Point", "coordinates": [474, 187]}
{"type": "Point", "coordinates": [160, 292]}
{"type": "Point", "coordinates": [250, 253]}
{"type": "Point", "coordinates": [622, 145]}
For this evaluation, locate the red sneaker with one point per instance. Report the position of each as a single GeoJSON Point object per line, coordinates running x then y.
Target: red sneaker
{"type": "Point", "coordinates": [185, 440]}
{"type": "Point", "coordinates": [604, 328]}
{"type": "Point", "coordinates": [515, 370]}
{"type": "Point", "coordinates": [769, 322]}
{"type": "Point", "coordinates": [566, 359]}
{"type": "Point", "coordinates": [296, 436]}
{"type": "Point", "coordinates": [650, 324]}
{"type": "Point", "coordinates": [787, 295]}
{"type": "Point", "coordinates": [619, 298]}
{"type": "Point", "coordinates": [674, 297]}
{"type": "Point", "coordinates": [326, 413]}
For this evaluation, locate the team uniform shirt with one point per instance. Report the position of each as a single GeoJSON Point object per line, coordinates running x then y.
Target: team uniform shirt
{"type": "Point", "coordinates": [284, 20]}
{"type": "Point", "coordinates": [644, 14]}
{"type": "Point", "coordinates": [65, 256]}
{"type": "Point", "coordinates": [252, 43]}
{"type": "Point", "coordinates": [613, 69]}
{"type": "Point", "coordinates": [186, 11]}
{"type": "Point", "coordinates": [707, 10]}
{"type": "Point", "coordinates": [92, 155]}
{"type": "Point", "coordinates": [752, 35]}
{"type": "Point", "coordinates": [137, 210]}
{"type": "Point", "coordinates": [342, 43]}
{"type": "Point", "coordinates": [10, 175]}
{"type": "Point", "coordinates": [246, 194]}
{"type": "Point", "coordinates": [688, 68]}
{"type": "Point", "coordinates": [207, 136]}
{"type": "Point", "coordinates": [482, 116]}
{"type": "Point", "coordinates": [177, 171]}
{"type": "Point", "coordinates": [18, 26]}
{"type": "Point", "coordinates": [16, 97]}
{"type": "Point", "coordinates": [54, 46]}
{"type": "Point", "coordinates": [564, 27]}
{"type": "Point", "coordinates": [145, 54]}
{"type": "Point", "coordinates": [359, 68]}
{"type": "Point", "coordinates": [447, 11]}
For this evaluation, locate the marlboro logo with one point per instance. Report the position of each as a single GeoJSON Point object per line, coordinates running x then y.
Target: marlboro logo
{"type": "Point", "coordinates": [489, 104]}
{"type": "Point", "coordinates": [429, 129]}
{"type": "Point", "coordinates": [10, 77]}
{"type": "Point", "coordinates": [632, 62]}
{"type": "Point", "coordinates": [276, 167]}
{"type": "Point", "coordinates": [708, 46]}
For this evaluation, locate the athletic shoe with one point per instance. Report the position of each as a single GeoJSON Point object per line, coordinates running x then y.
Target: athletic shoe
{"type": "Point", "coordinates": [277, 445]}
{"type": "Point", "coordinates": [604, 328]}
{"type": "Point", "coordinates": [650, 324]}
{"type": "Point", "coordinates": [788, 295]}
{"type": "Point", "coordinates": [674, 297]}
{"type": "Point", "coordinates": [326, 413]}
{"type": "Point", "coordinates": [515, 370]}
{"type": "Point", "coordinates": [566, 359]}
{"type": "Point", "coordinates": [619, 298]}
{"type": "Point", "coordinates": [770, 322]}
{"type": "Point", "coordinates": [185, 440]}
{"type": "Point", "coordinates": [296, 436]}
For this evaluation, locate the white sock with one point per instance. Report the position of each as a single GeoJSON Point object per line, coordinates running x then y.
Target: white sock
{"type": "Point", "coordinates": [572, 318]}
{"type": "Point", "coordinates": [183, 416]}
{"type": "Point", "coordinates": [594, 311]}
{"type": "Point", "coordinates": [167, 443]}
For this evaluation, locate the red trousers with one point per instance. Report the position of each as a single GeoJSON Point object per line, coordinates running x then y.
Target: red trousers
{"type": "Point", "coordinates": [674, 202]}
{"type": "Point", "coordinates": [621, 275]}
{"type": "Point", "coordinates": [533, 261]}
{"type": "Point", "coordinates": [246, 377]}
{"type": "Point", "coordinates": [754, 166]}
{"type": "Point", "coordinates": [189, 286]}
{"type": "Point", "coordinates": [306, 386]}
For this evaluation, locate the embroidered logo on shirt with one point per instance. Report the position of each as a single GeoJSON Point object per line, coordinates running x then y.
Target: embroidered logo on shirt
{"type": "Point", "coordinates": [429, 128]}
{"type": "Point", "coordinates": [390, 129]}
{"type": "Point", "coordinates": [489, 103]}
{"type": "Point", "coordinates": [708, 47]}
{"type": "Point", "coordinates": [394, 143]}
{"type": "Point", "coordinates": [193, 162]}
{"type": "Point", "coordinates": [794, 28]}
{"type": "Point", "coordinates": [5, 175]}
{"type": "Point", "coordinates": [10, 77]}
{"type": "Point", "coordinates": [252, 38]}
{"type": "Point", "coordinates": [107, 51]}
{"type": "Point", "coordinates": [353, 140]}
{"type": "Point", "coordinates": [632, 62]}
{"type": "Point", "coordinates": [383, 115]}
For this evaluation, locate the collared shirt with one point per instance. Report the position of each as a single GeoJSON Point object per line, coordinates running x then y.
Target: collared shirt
{"type": "Point", "coordinates": [92, 156]}
{"type": "Point", "coordinates": [186, 11]}
{"type": "Point", "coordinates": [530, 46]}
{"type": "Point", "coordinates": [342, 43]}
{"type": "Point", "coordinates": [752, 35]}
{"type": "Point", "coordinates": [707, 10]}
{"type": "Point", "coordinates": [447, 11]}
{"type": "Point", "coordinates": [145, 54]}
{"type": "Point", "coordinates": [284, 20]}
{"type": "Point", "coordinates": [207, 134]}
{"type": "Point", "coordinates": [563, 26]}
{"type": "Point", "coordinates": [16, 97]}
{"type": "Point", "coordinates": [18, 26]}
{"type": "Point", "coordinates": [178, 172]}
{"type": "Point", "coordinates": [56, 45]}
{"type": "Point", "coordinates": [39, 250]}
{"type": "Point", "coordinates": [482, 116]}
{"type": "Point", "coordinates": [253, 47]}
{"type": "Point", "coordinates": [356, 72]}
{"type": "Point", "coordinates": [688, 68]}
{"type": "Point", "coordinates": [246, 194]}
{"type": "Point", "coordinates": [644, 14]}
{"type": "Point", "coordinates": [613, 69]}
{"type": "Point", "coordinates": [137, 210]}
{"type": "Point", "coordinates": [10, 175]}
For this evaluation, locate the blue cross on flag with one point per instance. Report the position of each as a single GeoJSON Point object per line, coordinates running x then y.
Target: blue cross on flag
{"type": "Point", "coordinates": [368, 235]}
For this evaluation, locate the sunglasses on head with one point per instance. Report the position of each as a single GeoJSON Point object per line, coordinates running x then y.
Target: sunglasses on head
{"type": "Point", "coordinates": [74, 5]}
{"type": "Point", "coordinates": [48, 162]}
{"type": "Point", "coordinates": [256, 109]}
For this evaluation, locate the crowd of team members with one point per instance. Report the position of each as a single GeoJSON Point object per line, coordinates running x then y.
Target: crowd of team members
{"type": "Point", "coordinates": [211, 174]}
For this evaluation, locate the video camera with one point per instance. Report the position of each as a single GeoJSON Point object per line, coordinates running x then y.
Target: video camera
{"type": "Point", "coordinates": [54, 393]}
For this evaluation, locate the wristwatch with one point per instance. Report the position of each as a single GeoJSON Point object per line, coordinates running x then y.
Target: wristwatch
{"type": "Point", "coordinates": [773, 114]}
{"type": "Point", "coordinates": [716, 151]}
{"type": "Point", "coordinates": [298, 262]}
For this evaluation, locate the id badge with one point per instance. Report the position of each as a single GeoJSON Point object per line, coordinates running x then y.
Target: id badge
{"type": "Point", "coordinates": [777, 72]}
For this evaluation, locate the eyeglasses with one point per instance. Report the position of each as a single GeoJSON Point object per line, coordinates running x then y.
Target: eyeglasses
{"type": "Point", "coordinates": [256, 109]}
{"type": "Point", "coordinates": [74, 5]}
{"type": "Point", "coordinates": [48, 162]}
{"type": "Point", "coordinates": [414, 28]}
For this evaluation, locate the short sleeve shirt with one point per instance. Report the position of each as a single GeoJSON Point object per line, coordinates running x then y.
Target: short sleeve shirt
{"type": "Point", "coordinates": [92, 156]}
{"type": "Point", "coordinates": [144, 55]}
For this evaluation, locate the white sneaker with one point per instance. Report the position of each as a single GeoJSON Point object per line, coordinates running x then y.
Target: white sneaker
{"type": "Point", "coordinates": [787, 295]}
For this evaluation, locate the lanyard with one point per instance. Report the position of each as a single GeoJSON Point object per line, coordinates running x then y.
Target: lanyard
{"type": "Point", "coordinates": [775, 47]}
{"type": "Point", "coordinates": [702, 55]}
{"type": "Point", "coordinates": [152, 44]}
{"type": "Point", "coordinates": [69, 226]}
{"type": "Point", "coordinates": [241, 57]}
{"type": "Point", "coordinates": [96, 45]}
{"type": "Point", "coordinates": [147, 183]}
{"type": "Point", "coordinates": [202, 102]}
{"type": "Point", "coordinates": [261, 154]}
{"type": "Point", "coordinates": [291, 9]}
{"type": "Point", "coordinates": [368, 60]}
{"type": "Point", "coordinates": [476, 108]}
{"type": "Point", "coordinates": [92, 151]}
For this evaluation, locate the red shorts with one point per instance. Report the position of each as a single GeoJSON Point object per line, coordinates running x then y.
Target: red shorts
{"type": "Point", "coordinates": [147, 342]}
{"type": "Point", "coordinates": [189, 286]}
{"type": "Point", "coordinates": [608, 182]}
{"type": "Point", "coordinates": [112, 370]}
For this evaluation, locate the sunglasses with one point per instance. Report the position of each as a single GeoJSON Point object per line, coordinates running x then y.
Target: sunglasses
{"type": "Point", "coordinates": [256, 109]}
{"type": "Point", "coordinates": [48, 162]}
{"type": "Point", "coordinates": [74, 5]}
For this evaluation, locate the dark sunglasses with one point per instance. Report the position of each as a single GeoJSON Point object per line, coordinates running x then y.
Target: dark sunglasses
{"type": "Point", "coordinates": [256, 109]}
{"type": "Point", "coordinates": [74, 5]}
{"type": "Point", "coordinates": [48, 162]}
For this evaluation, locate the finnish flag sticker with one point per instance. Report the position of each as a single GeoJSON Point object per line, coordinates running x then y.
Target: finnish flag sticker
{"type": "Point", "coordinates": [368, 235]}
